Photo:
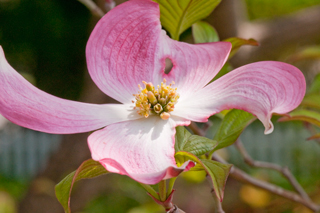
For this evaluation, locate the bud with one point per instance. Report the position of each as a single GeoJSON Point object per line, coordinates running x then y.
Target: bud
{"type": "Point", "coordinates": [152, 99]}
{"type": "Point", "coordinates": [167, 108]}
{"type": "Point", "coordinates": [165, 115]}
{"type": "Point", "coordinates": [157, 108]}
{"type": "Point", "coordinates": [149, 86]}
{"type": "Point", "coordinates": [162, 101]}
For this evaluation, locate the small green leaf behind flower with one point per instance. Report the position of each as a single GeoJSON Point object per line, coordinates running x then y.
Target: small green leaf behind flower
{"type": "Point", "coordinates": [309, 52]}
{"type": "Point", "coordinates": [218, 172]}
{"type": "Point", "coordinates": [315, 86]}
{"type": "Point", "coordinates": [194, 144]}
{"type": "Point", "coordinates": [203, 33]}
{"type": "Point", "coordinates": [178, 15]}
{"type": "Point", "coordinates": [306, 115]}
{"type": "Point", "coordinates": [88, 169]}
{"type": "Point", "coordinates": [233, 123]}
{"type": "Point", "coordinates": [239, 42]}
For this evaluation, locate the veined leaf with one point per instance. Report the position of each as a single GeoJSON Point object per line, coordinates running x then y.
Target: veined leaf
{"type": "Point", "coordinates": [178, 15]}
{"type": "Point", "coordinates": [203, 33]}
{"type": "Point", "coordinates": [303, 115]}
{"type": "Point", "coordinates": [194, 144]}
{"type": "Point", "coordinates": [88, 169]}
{"type": "Point", "coordinates": [181, 138]}
{"type": "Point", "coordinates": [238, 42]}
{"type": "Point", "coordinates": [232, 126]}
{"type": "Point", "coordinates": [217, 171]}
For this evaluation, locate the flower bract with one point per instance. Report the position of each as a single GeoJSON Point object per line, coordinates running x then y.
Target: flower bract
{"type": "Point", "coordinates": [136, 138]}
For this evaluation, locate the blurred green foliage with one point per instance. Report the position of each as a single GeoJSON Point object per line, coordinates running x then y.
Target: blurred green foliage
{"type": "Point", "coordinates": [47, 39]}
{"type": "Point", "coordinates": [258, 9]}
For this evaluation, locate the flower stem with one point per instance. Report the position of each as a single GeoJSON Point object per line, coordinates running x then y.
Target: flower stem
{"type": "Point", "coordinates": [162, 190]}
{"type": "Point", "coordinates": [150, 190]}
{"type": "Point", "coordinates": [170, 186]}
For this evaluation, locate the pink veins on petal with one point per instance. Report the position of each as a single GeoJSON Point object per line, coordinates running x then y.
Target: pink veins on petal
{"type": "Point", "coordinates": [128, 47]}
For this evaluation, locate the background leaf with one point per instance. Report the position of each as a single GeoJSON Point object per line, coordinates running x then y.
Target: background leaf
{"type": "Point", "coordinates": [238, 42]}
{"type": "Point", "coordinates": [309, 116]}
{"type": "Point", "coordinates": [315, 86]}
{"type": "Point", "coordinates": [232, 126]}
{"type": "Point", "coordinates": [88, 169]}
{"type": "Point", "coordinates": [178, 15]}
{"type": "Point", "coordinates": [203, 33]}
{"type": "Point", "coordinates": [194, 144]}
{"type": "Point", "coordinates": [311, 100]}
{"type": "Point", "coordinates": [311, 52]}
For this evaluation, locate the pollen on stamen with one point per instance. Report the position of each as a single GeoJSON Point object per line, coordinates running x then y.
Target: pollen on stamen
{"type": "Point", "coordinates": [156, 101]}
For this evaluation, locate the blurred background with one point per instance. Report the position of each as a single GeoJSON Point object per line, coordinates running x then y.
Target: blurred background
{"type": "Point", "coordinates": [45, 41]}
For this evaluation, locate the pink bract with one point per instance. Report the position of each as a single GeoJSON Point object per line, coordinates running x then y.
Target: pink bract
{"type": "Point", "coordinates": [127, 47]}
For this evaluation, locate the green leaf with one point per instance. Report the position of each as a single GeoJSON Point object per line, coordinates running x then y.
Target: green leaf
{"type": "Point", "coordinates": [315, 86]}
{"type": "Point", "coordinates": [203, 33]}
{"type": "Point", "coordinates": [181, 138]}
{"type": "Point", "coordinates": [303, 115]}
{"type": "Point", "coordinates": [194, 144]}
{"type": "Point", "coordinates": [217, 171]}
{"type": "Point", "coordinates": [311, 52]}
{"type": "Point", "coordinates": [311, 100]}
{"type": "Point", "coordinates": [88, 169]}
{"type": "Point", "coordinates": [178, 15]}
{"type": "Point", "coordinates": [232, 126]}
{"type": "Point", "coordinates": [238, 42]}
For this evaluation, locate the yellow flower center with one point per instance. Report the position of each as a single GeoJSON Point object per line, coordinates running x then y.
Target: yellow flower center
{"type": "Point", "coordinates": [159, 101]}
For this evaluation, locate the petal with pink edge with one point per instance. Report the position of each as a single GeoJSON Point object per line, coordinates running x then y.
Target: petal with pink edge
{"type": "Point", "coordinates": [142, 149]}
{"type": "Point", "coordinates": [260, 88]}
{"type": "Point", "coordinates": [128, 46]}
{"type": "Point", "coordinates": [27, 106]}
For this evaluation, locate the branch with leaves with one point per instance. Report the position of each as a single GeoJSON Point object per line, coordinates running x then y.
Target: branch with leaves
{"type": "Point", "coordinates": [241, 176]}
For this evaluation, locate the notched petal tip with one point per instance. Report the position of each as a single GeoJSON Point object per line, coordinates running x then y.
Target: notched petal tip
{"type": "Point", "coordinates": [261, 88]}
{"type": "Point", "coordinates": [268, 128]}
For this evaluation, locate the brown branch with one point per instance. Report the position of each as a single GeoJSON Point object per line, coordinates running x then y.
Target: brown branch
{"type": "Point", "coordinates": [175, 209]}
{"type": "Point", "coordinates": [313, 131]}
{"type": "Point", "coordinates": [196, 130]}
{"type": "Point", "coordinates": [243, 177]}
{"type": "Point", "coordinates": [218, 204]}
{"type": "Point", "coordinates": [94, 9]}
{"type": "Point", "coordinates": [266, 165]}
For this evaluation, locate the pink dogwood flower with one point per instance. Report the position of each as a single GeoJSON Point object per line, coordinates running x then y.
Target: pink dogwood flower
{"type": "Point", "coordinates": [128, 48]}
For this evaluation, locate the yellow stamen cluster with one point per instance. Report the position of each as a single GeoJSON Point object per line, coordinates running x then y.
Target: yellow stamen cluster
{"type": "Point", "coordinates": [159, 101]}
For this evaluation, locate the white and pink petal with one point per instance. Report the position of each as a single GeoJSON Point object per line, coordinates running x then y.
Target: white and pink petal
{"type": "Point", "coordinates": [128, 46]}
{"type": "Point", "coordinates": [24, 104]}
{"type": "Point", "coordinates": [142, 149]}
{"type": "Point", "coordinates": [260, 88]}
